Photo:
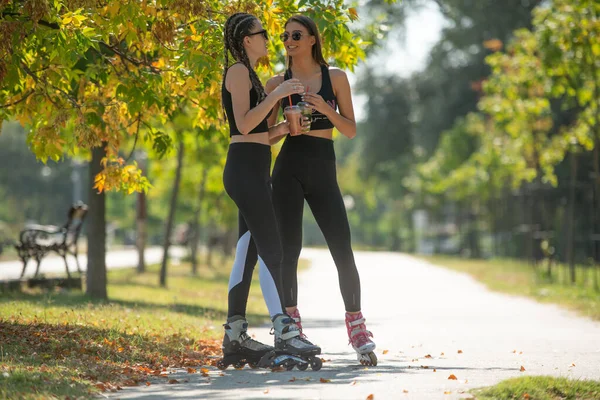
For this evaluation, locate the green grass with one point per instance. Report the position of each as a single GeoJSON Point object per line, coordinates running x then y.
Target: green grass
{"type": "Point", "coordinates": [59, 344]}
{"type": "Point", "coordinates": [517, 277]}
{"type": "Point", "coordinates": [540, 388]}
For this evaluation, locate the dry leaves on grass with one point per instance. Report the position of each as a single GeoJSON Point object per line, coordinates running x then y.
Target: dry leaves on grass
{"type": "Point", "coordinates": [125, 360]}
{"type": "Point", "coordinates": [526, 396]}
{"type": "Point", "coordinates": [452, 377]}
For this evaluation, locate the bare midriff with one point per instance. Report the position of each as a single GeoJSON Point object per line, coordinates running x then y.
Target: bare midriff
{"type": "Point", "coordinates": [262, 138]}
{"type": "Point", "coordinates": [321, 133]}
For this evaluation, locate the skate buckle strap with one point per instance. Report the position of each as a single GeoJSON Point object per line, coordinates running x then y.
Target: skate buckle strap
{"type": "Point", "coordinates": [357, 322]}
{"type": "Point", "coordinates": [290, 332]}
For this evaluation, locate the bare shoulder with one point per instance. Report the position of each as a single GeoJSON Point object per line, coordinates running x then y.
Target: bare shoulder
{"type": "Point", "coordinates": [337, 74]}
{"type": "Point", "coordinates": [237, 76]}
{"type": "Point", "coordinates": [274, 82]}
{"type": "Point", "coordinates": [238, 68]}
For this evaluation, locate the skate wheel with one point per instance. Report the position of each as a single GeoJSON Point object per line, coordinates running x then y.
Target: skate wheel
{"type": "Point", "coordinates": [289, 365]}
{"type": "Point", "coordinates": [221, 365]}
{"type": "Point", "coordinates": [253, 365]}
{"type": "Point", "coordinates": [369, 359]}
{"type": "Point", "coordinates": [302, 367]}
{"type": "Point", "coordinates": [239, 365]}
{"type": "Point", "coordinates": [316, 363]}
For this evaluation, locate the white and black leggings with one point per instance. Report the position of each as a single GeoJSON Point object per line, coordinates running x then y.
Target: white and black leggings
{"type": "Point", "coordinates": [247, 182]}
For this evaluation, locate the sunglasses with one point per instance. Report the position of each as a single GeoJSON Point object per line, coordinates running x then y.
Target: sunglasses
{"type": "Point", "coordinates": [263, 32]}
{"type": "Point", "coordinates": [296, 36]}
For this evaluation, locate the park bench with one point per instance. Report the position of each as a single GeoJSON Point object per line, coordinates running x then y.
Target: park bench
{"type": "Point", "coordinates": [36, 241]}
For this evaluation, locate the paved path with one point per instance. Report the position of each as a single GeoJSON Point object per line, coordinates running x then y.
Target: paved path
{"type": "Point", "coordinates": [125, 258]}
{"type": "Point", "coordinates": [414, 309]}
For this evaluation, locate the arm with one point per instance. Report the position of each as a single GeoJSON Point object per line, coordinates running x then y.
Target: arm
{"type": "Point", "coordinates": [237, 82]}
{"type": "Point", "coordinates": [277, 131]}
{"type": "Point", "coordinates": [344, 120]}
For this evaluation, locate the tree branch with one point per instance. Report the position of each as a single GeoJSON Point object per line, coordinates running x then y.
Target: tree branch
{"type": "Point", "coordinates": [14, 103]}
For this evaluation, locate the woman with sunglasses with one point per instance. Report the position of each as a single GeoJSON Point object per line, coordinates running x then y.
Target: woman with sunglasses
{"type": "Point", "coordinates": [305, 169]}
{"type": "Point", "coordinates": [247, 182]}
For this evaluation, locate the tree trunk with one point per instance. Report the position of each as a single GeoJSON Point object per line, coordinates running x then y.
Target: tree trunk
{"type": "Point", "coordinates": [195, 236]}
{"type": "Point", "coordinates": [171, 217]}
{"type": "Point", "coordinates": [571, 211]}
{"type": "Point", "coordinates": [96, 264]}
{"type": "Point", "coordinates": [142, 232]}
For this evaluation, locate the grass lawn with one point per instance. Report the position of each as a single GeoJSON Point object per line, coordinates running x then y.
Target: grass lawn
{"type": "Point", "coordinates": [520, 278]}
{"type": "Point", "coordinates": [540, 388]}
{"type": "Point", "coordinates": [63, 345]}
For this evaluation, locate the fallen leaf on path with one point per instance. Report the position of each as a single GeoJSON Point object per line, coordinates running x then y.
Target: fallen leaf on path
{"type": "Point", "coordinates": [452, 377]}
{"type": "Point", "coordinates": [522, 368]}
{"type": "Point", "coordinates": [293, 379]}
{"type": "Point", "coordinates": [353, 383]}
{"type": "Point", "coordinates": [466, 381]}
{"type": "Point", "coordinates": [520, 352]}
{"type": "Point", "coordinates": [323, 380]}
{"type": "Point", "coordinates": [191, 370]}
{"type": "Point", "coordinates": [385, 351]}
{"type": "Point", "coordinates": [428, 356]}
{"type": "Point", "coordinates": [221, 374]}
{"type": "Point", "coordinates": [370, 397]}
{"type": "Point", "coordinates": [405, 391]}
{"type": "Point", "coordinates": [173, 381]}
{"type": "Point", "coordinates": [572, 365]}
{"type": "Point", "coordinates": [442, 354]}
{"type": "Point", "coordinates": [460, 352]}
{"type": "Point", "coordinates": [266, 391]}
{"type": "Point", "coordinates": [148, 383]}
{"type": "Point", "coordinates": [514, 351]}
{"type": "Point", "coordinates": [434, 370]}
{"type": "Point", "coordinates": [424, 366]}
{"type": "Point", "coordinates": [204, 371]}
{"type": "Point", "coordinates": [447, 392]}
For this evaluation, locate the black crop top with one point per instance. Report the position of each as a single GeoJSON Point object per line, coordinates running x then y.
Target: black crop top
{"type": "Point", "coordinates": [319, 121]}
{"type": "Point", "coordinates": [228, 105]}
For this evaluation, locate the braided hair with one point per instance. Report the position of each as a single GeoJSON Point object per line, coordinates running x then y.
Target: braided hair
{"type": "Point", "coordinates": [237, 27]}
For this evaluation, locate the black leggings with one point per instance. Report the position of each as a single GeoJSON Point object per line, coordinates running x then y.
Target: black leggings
{"type": "Point", "coordinates": [305, 169]}
{"type": "Point", "coordinates": [246, 180]}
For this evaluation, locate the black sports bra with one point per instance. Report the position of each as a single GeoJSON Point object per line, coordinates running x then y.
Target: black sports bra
{"type": "Point", "coordinates": [228, 105]}
{"type": "Point", "coordinates": [319, 121]}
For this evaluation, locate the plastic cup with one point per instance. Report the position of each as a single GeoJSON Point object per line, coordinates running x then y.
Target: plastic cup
{"type": "Point", "coordinates": [306, 119]}
{"type": "Point", "coordinates": [293, 115]}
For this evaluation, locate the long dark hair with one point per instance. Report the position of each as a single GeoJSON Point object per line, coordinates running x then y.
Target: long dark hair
{"type": "Point", "coordinates": [309, 24]}
{"type": "Point", "coordinates": [237, 27]}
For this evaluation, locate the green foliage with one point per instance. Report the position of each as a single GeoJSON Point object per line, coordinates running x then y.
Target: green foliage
{"type": "Point", "coordinates": [129, 67]}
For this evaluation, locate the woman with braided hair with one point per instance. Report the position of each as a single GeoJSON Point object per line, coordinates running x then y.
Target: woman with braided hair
{"type": "Point", "coordinates": [247, 181]}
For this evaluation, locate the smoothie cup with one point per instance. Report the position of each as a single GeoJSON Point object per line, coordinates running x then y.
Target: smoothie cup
{"type": "Point", "coordinates": [306, 111]}
{"type": "Point", "coordinates": [293, 115]}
